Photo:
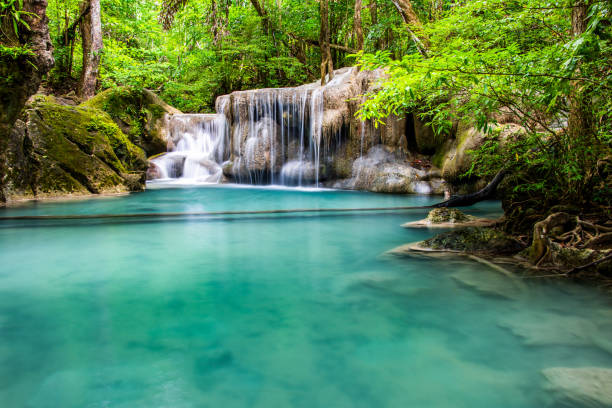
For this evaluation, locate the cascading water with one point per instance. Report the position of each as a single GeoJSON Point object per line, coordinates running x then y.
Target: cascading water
{"type": "Point", "coordinates": [197, 144]}
{"type": "Point", "coordinates": [304, 136]}
{"type": "Point", "coordinates": [265, 136]}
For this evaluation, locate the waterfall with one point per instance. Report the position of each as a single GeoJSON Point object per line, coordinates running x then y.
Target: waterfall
{"type": "Point", "coordinates": [197, 145]}
{"type": "Point", "coordinates": [264, 136]}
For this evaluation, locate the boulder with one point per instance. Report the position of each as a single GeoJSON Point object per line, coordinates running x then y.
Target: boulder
{"type": "Point", "coordinates": [56, 149]}
{"type": "Point", "coordinates": [457, 161]}
{"type": "Point", "coordinates": [385, 172]}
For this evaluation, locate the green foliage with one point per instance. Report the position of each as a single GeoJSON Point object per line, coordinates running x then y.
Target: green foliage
{"type": "Point", "coordinates": [12, 10]}
{"type": "Point", "coordinates": [492, 57]}
{"type": "Point", "coordinates": [15, 52]}
{"type": "Point", "coordinates": [213, 47]}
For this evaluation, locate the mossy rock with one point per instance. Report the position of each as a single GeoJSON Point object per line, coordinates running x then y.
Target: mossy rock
{"type": "Point", "coordinates": [475, 240]}
{"type": "Point", "coordinates": [57, 149]}
{"type": "Point", "coordinates": [139, 113]}
{"type": "Point", "coordinates": [447, 215]}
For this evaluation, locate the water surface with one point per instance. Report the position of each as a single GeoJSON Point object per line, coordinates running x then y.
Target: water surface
{"type": "Point", "coordinates": [272, 311]}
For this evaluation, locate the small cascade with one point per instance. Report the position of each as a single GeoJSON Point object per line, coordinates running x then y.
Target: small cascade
{"type": "Point", "coordinates": [196, 146]}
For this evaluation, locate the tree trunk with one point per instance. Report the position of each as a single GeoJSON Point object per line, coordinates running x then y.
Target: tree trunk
{"type": "Point", "coordinates": [21, 77]}
{"type": "Point", "coordinates": [374, 19]}
{"type": "Point", "coordinates": [67, 39]}
{"type": "Point", "coordinates": [91, 33]}
{"type": "Point", "coordinates": [327, 64]}
{"type": "Point", "coordinates": [265, 18]}
{"type": "Point", "coordinates": [357, 25]}
{"type": "Point", "coordinates": [579, 120]}
{"type": "Point", "coordinates": [373, 12]}
{"type": "Point", "coordinates": [404, 7]}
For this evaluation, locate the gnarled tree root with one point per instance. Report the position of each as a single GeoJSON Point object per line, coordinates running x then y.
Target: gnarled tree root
{"type": "Point", "coordinates": [564, 237]}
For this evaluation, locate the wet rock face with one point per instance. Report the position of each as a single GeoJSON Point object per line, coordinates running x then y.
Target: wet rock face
{"type": "Point", "coordinates": [386, 172]}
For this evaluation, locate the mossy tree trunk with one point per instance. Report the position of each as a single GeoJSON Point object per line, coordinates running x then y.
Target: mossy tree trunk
{"type": "Point", "coordinates": [411, 20]}
{"type": "Point", "coordinates": [373, 8]}
{"type": "Point", "coordinates": [21, 76]}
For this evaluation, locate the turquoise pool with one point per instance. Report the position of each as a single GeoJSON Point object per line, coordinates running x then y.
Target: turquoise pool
{"type": "Point", "coordinates": [280, 310]}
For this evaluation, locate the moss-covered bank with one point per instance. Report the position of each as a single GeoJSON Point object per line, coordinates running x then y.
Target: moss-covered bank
{"type": "Point", "coordinates": [100, 146]}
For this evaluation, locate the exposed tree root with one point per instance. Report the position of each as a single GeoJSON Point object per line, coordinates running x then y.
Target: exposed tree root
{"type": "Point", "coordinates": [565, 241]}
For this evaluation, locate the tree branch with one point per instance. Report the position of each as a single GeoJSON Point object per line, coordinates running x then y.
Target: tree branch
{"type": "Point", "coordinates": [470, 199]}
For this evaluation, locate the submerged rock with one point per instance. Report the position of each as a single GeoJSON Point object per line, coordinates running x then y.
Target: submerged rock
{"type": "Point", "coordinates": [489, 283]}
{"type": "Point", "coordinates": [546, 329]}
{"type": "Point", "coordinates": [584, 386]}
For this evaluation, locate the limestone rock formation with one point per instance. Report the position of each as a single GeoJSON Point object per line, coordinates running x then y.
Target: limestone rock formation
{"type": "Point", "coordinates": [386, 172]}
{"type": "Point", "coordinates": [311, 134]}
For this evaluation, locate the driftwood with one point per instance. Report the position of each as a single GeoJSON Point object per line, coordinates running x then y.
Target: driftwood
{"type": "Point", "coordinates": [470, 199]}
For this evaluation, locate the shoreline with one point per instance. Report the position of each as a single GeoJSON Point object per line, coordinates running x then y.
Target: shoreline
{"type": "Point", "coordinates": [67, 197]}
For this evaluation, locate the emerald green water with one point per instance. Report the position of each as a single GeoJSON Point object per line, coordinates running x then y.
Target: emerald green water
{"type": "Point", "coordinates": [272, 311]}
